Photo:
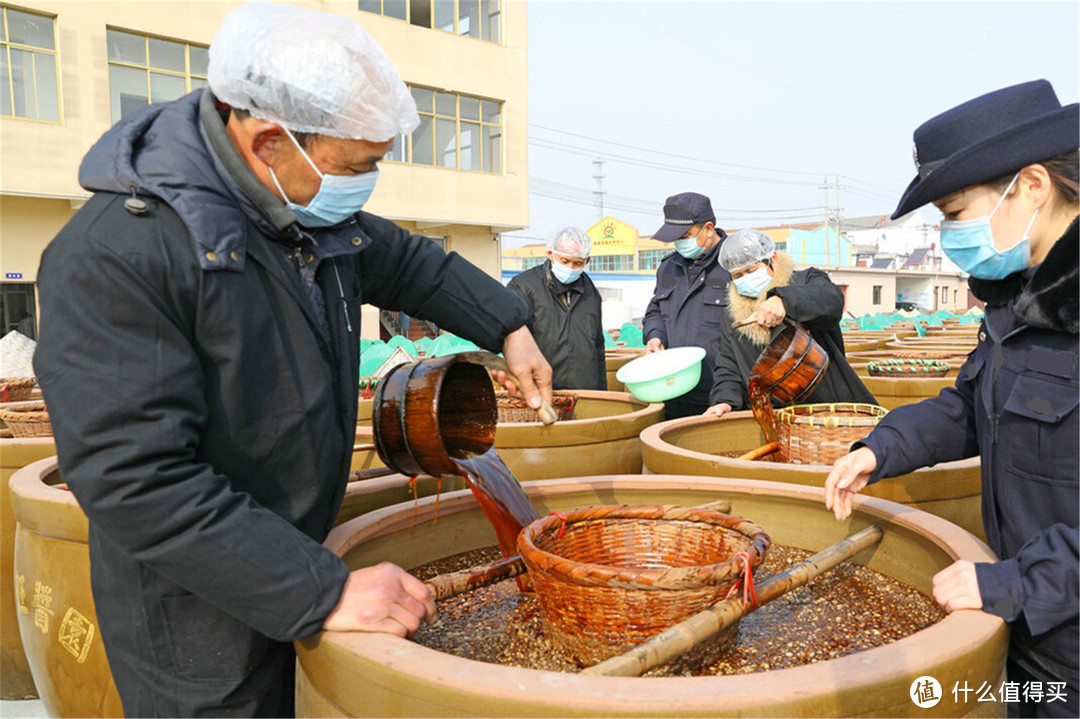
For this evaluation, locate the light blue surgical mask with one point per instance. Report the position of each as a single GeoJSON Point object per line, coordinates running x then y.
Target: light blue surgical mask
{"type": "Point", "coordinates": [339, 196]}
{"type": "Point", "coordinates": [688, 246]}
{"type": "Point", "coordinates": [970, 244]}
{"type": "Point", "coordinates": [565, 274]}
{"type": "Point", "coordinates": [754, 283]}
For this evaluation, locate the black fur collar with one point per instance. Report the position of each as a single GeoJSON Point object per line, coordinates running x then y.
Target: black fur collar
{"type": "Point", "coordinates": [1051, 298]}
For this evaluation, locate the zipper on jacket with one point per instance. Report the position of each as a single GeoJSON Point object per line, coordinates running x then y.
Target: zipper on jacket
{"type": "Point", "coordinates": [997, 359]}
{"type": "Point", "coordinates": [341, 294]}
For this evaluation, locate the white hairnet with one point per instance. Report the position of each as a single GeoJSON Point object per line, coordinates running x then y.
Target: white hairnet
{"type": "Point", "coordinates": [744, 248]}
{"type": "Point", "coordinates": [309, 71]}
{"type": "Point", "coordinates": [571, 241]}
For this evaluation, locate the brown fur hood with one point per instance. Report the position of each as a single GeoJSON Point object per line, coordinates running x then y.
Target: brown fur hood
{"type": "Point", "coordinates": [741, 307]}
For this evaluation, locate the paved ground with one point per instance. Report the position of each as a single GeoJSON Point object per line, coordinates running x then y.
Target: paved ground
{"type": "Point", "coordinates": [25, 708]}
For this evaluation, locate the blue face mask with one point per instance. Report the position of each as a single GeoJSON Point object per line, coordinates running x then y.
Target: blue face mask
{"type": "Point", "coordinates": [565, 274]}
{"type": "Point", "coordinates": [339, 196]}
{"type": "Point", "coordinates": [688, 247]}
{"type": "Point", "coordinates": [970, 244]}
{"type": "Point", "coordinates": [754, 283]}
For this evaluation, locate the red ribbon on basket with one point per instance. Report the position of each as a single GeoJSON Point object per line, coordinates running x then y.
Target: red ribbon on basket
{"type": "Point", "coordinates": [746, 581]}
{"type": "Point", "coordinates": [5, 391]}
{"type": "Point", "coordinates": [561, 516]}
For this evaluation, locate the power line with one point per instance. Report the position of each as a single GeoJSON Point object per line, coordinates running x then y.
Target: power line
{"type": "Point", "coordinates": [668, 154]}
{"type": "Point", "coordinates": [585, 152]}
{"type": "Point", "coordinates": [552, 186]}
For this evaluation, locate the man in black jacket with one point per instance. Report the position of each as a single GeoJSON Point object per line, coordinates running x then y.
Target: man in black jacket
{"type": "Point", "coordinates": [766, 288]}
{"type": "Point", "coordinates": [689, 304]}
{"type": "Point", "coordinates": [199, 356]}
{"type": "Point", "coordinates": [566, 312]}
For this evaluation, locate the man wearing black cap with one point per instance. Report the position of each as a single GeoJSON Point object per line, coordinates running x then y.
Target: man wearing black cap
{"type": "Point", "coordinates": [689, 304]}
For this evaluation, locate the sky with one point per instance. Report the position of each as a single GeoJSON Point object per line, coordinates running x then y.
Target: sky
{"type": "Point", "coordinates": [758, 104]}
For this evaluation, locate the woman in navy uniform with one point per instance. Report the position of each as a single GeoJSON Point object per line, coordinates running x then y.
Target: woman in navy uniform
{"type": "Point", "coordinates": [1002, 168]}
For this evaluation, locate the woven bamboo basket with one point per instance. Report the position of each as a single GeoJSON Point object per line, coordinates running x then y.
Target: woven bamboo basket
{"type": "Point", "coordinates": [29, 420]}
{"type": "Point", "coordinates": [904, 367]}
{"type": "Point", "coordinates": [514, 409]}
{"type": "Point", "coordinates": [16, 389]}
{"type": "Point", "coordinates": [614, 576]}
{"type": "Point", "coordinates": [823, 433]}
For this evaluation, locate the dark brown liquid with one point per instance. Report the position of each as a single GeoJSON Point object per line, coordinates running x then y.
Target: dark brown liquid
{"type": "Point", "coordinates": [763, 409]}
{"type": "Point", "coordinates": [500, 495]}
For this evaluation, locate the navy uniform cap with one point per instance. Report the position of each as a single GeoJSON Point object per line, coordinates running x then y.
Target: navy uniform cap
{"type": "Point", "coordinates": [993, 135]}
{"type": "Point", "coordinates": [683, 211]}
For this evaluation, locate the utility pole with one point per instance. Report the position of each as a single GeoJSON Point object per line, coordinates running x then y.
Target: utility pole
{"type": "Point", "coordinates": [837, 220]}
{"type": "Point", "coordinates": [598, 193]}
{"type": "Point", "coordinates": [825, 186]}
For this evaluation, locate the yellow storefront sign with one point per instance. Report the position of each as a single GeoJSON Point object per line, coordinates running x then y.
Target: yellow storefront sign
{"type": "Point", "coordinates": [612, 237]}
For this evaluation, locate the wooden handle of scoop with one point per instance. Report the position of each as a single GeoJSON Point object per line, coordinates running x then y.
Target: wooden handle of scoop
{"type": "Point", "coordinates": [451, 584]}
{"type": "Point", "coordinates": [687, 634]}
{"type": "Point", "coordinates": [546, 413]}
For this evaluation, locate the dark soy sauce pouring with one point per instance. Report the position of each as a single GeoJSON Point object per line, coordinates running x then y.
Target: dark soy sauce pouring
{"type": "Point", "coordinates": [437, 416]}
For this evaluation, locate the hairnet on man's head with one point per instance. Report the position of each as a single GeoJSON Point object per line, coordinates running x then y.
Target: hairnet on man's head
{"type": "Point", "coordinates": [744, 248]}
{"type": "Point", "coordinates": [571, 241]}
{"type": "Point", "coordinates": [309, 71]}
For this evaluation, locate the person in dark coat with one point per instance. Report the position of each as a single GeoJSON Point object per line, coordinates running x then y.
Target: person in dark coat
{"type": "Point", "coordinates": [766, 288]}
{"type": "Point", "coordinates": [566, 312]}
{"type": "Point", "coordinates": [1002, 168]}
{"type": "Point", "coordinates": [689, 304]}
{"type": "Point", "coordinates": [199, 356]}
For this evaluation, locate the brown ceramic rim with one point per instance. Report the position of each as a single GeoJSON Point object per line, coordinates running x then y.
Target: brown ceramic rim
{"type": "Point", "coordinates": [44, 509]}
{"type": "Point", "coordinates": [582, 431]}
{"type": "Point", "coordinates": [913, 487]}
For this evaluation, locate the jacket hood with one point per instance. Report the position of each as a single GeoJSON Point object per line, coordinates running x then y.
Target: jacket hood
{"type": "Point", "coordinates": [740, 306]}
{"type": "Point", "coordinates": [1049, 297]}
{"type": "Point", "coordinates": [159, 151]}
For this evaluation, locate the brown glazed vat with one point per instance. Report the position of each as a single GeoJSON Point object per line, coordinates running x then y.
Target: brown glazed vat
{"type": "Point", "coordinates": [613, 360]}
{"type": "Point", "coordinates": [893, 392]}
{"type": "Point", "coordinates": [51, 547]}
{"type": "Point", "coordinates": [933, 344]}
{"type": "Point", "coordinates": [859, 345]}
{"type": "Point", "coordinates": [56, 614]}
{"type": "Point", "coordinates": [379, 675]}
{"type": "Point", "coordinates": [15, 679]}
{"type": "Point", "coordinates": [859, 360]}
{"type": "Point", "coordinates": [602, 438]}
{"type": "Point", "coordinates": [693, 446]}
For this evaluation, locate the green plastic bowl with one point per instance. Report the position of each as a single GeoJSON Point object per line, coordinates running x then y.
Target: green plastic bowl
{"type": "Point", "coordinates": [664, 375]}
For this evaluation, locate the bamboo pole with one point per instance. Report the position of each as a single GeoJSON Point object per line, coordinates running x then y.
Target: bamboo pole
{"type": "Point", "coordinates": [687, 634]}
{"type": "Point", "coordinates": [763, 451]}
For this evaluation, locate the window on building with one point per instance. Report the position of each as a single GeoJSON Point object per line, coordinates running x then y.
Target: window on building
{"type": "Point", "coordinates": [611, 263]}
{"type": "Point", "coordinates": [480, 19]}
{"type": "Point", "coordinates": [145, 69]}
{"type": "Point", "coordinates": [18, 308]}
{"type": "Point", "coordinates": [955, 301]}
{"type": "Point", "coordinates": [457, 131]}
{"type": "Point", "coordinates": [877, 294]}
{"type": "Point", "coordinates": [30, 78]}
{"type": "Point", "coordinates": [944, 295]}
{"type": "Point", "coordinates": [650, 259]}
